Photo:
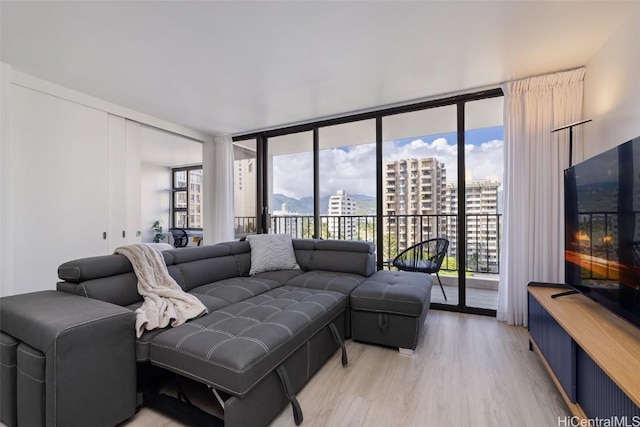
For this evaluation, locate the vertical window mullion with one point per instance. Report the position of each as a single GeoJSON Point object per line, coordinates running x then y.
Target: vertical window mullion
{"type": "Point", "coordinates": [462, 222]}
{"type": "Point", "coordinates": [379, 201]}
{"type": "Point", "coordinates": [186, 220]}
{"type": "Point", "coordinates": [316, 183]}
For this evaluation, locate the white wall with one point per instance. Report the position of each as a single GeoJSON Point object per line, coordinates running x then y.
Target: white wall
{"type": "Point", "coordinates": [156, 201]}
{"type": "Point", "coordinates": [612, 89]}
{"type": "Point", "coordinates": [159, 152]}
{"type": "Point", "coordinates": [6, 230]}
{"type": "Point", "coordinates": [68, 163]}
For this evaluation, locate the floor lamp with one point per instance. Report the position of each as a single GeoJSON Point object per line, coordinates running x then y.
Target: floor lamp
{"type": "Point", "coordinates": [570, 127]}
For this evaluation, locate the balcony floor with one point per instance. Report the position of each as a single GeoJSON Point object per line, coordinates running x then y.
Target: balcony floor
{"type": "Point", "coordinates": [479, 298]}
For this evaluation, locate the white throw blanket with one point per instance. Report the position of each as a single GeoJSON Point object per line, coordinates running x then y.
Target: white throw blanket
{"type": "Point", "coordinates": [164, 300]}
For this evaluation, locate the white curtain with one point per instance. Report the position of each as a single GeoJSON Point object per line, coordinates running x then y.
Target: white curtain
{"type": "Point", "coordinates": [535, 159]}
{"type": "Point", "coordinates": [217, 170]}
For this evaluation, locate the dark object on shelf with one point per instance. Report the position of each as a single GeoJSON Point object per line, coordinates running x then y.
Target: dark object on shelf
{"type": "Point", "coordinates": [602, 251]}
{"type": "Point", "coordinates": [180, 237]}
{"type": "Point", "coordinates": [425, 257]}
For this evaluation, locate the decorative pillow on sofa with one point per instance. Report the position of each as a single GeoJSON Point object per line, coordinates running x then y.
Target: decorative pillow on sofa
{"type": "Point", "coordinates": [271, 252]}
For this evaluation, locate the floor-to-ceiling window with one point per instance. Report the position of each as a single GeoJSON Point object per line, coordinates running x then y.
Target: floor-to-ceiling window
{"type": "Point", "coordinates": [420, 156]}
{"type": "Point", "coordinates": [289, 180]}
{"type": "Point", "coordinates": [347, 181]}
{"type": "Point", "coordinates": [396, 177]}
{"type": "Point", "coordinates": [483, 196]}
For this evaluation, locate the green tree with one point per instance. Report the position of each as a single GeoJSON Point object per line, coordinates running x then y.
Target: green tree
{"type": "Point", "coordinates": [390, 246]}
{"type": "Point", "coordinates": [450, 267]}
{"type": "Point", "coordinates": [367, 231]}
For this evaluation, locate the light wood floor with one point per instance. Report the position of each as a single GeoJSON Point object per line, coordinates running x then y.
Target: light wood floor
{"type": "Point", "coordinates": [467, 370]}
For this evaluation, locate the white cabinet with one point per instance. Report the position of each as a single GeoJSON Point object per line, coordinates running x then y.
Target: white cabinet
{"type": "Point", "coordinates": [73, 189]}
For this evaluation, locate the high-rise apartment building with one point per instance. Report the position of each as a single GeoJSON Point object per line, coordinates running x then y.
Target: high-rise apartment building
{"type": "Point", "coordinates": [482, 223]}
{"type": "Point", "coordinates": [244, 195]}
{"type": "Point", "coordinates": [342, 206]}
{"type": "Point", "coordinates": [195, 198]}
{"type": "Point", "coordinates": [413, 193]}
{"type": "Point", "coordinates": [284, 221]}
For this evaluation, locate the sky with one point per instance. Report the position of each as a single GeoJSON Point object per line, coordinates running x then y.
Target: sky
{"type": "Point", "coordinates": [353, 168]}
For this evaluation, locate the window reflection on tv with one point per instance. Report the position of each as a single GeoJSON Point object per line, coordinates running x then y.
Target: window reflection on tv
{"type": "Point", "coordinates": [602, 222]}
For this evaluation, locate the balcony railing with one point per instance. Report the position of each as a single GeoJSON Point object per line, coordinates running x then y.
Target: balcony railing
{"type": "Point", "coordinates": [245, 225]}
{"type": "Point", "coordinates": [399, 233]}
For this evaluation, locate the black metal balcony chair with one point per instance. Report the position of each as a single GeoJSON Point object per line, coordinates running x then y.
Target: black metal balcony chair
{"type": "Point", "coordinates": [424, 257]}
{"type": "Point", "coordinates": [180, 237]}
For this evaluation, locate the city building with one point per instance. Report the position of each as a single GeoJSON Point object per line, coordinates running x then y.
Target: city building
{"type": "Point", "coordinates": [188, 194]}
{"type": "Point", "coordinates": [342, 206]}
{"type": "Point", "coordinates": [244, 194]}
{"type": "Point", "coordinates": [413, 194]}
{"type": "Point", "coordinates": [285, 222]}
{"type": "Point", "coordinates": [244, 187]}
{"type": "Point", "coordinates": [483, 222]}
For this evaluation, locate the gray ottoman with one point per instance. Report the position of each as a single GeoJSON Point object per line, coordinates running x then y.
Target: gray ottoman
{"type": "Point", "coordinates": [389, 309]}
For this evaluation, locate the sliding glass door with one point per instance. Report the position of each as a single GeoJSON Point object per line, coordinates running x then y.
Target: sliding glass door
{"type": "Point", "coordinates": [483, 192]}
{"type": "Point", "coordinates": [396, 177]}
{"type": "Point", "coordinates": [420, 156]}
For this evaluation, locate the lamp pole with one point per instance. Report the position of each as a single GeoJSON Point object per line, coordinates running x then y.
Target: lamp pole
{"type": "Point", "coordinates": [570, 127]}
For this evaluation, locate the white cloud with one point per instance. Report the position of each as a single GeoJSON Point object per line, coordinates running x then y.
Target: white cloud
{"type": "Point", "coordinates": [354, 169]}
{"type": "Point", "coordinates": [485, 160]}
{"type": "Point", "coordinates": [293, 175]}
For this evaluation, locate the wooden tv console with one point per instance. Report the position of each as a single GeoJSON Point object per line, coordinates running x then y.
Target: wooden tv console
{"type": "Point", "coordinates": [592, 355]}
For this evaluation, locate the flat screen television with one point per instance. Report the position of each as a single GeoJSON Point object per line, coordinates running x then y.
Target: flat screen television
{"type": "Point", "coordinates": [602, 224]}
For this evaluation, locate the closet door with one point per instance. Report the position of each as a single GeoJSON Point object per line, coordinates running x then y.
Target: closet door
{"type": "Point", "coordinates": [117, 233]}
{"type": "Point", "coordinates": [134, 183]}
{"type": "Point", "coordinates": [124, 182]}
{"type": "Point", "coordinates": [59, 190]}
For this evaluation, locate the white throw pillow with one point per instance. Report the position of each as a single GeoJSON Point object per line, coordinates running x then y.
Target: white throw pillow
{"type": "Point", "coordinates": [271, 252]}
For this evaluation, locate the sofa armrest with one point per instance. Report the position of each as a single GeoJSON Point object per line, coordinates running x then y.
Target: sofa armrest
{"type": "Point", "coordinates": [89, 347]}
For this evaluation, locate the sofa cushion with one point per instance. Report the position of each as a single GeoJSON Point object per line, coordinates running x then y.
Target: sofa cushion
{"type": "Point", "coordinates": [143, 342]}
{"type": "Point", "coordinates": [329, 280]}
{"type": "Point", "coordinates": [236, 289]}
{"type": "Point", "coordinates": [271, 252]}
{"type": "Point", "coordinates": [203, 271]}
{"type": "Point", "coordinates": [232, 349]}
{"type": "Point", "coordinates": [280, 276]}
{"type": "Point", "coordinates": [398, 292]}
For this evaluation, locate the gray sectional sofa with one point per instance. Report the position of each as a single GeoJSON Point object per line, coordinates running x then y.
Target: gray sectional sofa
{"type": "Point", "coordinates": [70, 357]}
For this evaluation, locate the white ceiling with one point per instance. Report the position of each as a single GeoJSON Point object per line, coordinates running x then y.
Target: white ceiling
{"type": "Point", "coordinates": [162, 148]}
{"type": "Point", "coordinates": [232, 67]}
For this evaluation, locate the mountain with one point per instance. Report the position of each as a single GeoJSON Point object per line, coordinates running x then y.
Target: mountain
{"type": "Point", "coordinates": [303, 206]}
{"type": "Point", "coordinates": [365, 205]}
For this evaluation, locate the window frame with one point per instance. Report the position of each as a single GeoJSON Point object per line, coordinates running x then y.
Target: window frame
{"type": "Point", "coordinates": [262, 148]}
{"type": "Point", "coordinates": [189, 192]}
